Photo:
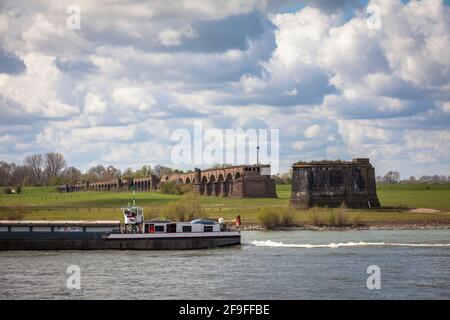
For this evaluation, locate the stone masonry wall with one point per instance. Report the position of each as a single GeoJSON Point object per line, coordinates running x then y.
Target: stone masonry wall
{"type": "Point", "coordinates": [331, 184]}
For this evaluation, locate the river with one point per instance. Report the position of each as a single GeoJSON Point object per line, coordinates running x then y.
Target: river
{"type": "Point", "coordinates": [268, 265]}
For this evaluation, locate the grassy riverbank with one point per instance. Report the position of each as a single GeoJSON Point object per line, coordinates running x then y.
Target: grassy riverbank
{"type": "Point", "coordinates": [397, 202]}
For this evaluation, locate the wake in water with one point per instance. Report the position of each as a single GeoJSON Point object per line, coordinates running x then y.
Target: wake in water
{"type": "Point", "coordinates": [270, 243]}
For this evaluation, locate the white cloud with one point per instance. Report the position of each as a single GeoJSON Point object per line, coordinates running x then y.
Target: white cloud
{"type": "Point", "coordinates": [313, 131]}
{"type": "Point", "coordinates": [94, 104]}
{"type": "Point", "coordinates": [133, 97]}
{"type": "Point", "coordinates": [42, 91]}
{"type": "Point", "coordinates": [362, 132]}
{"type": "Point", "coordinates": [170, 37]}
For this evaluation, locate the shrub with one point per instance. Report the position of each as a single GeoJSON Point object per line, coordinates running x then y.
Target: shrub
{"type": "Point", "coordinates": [287, 216]}
{"type": "Point", "coordinates": [186, 209]}
{"type": "Point", "coordinates": [15, 212]}
{"type": "Point", "coordinates": [316, 219]}
{"type": "Point", "coordinates": [269, 217]}
{"type": "Point", "coordinates": [15, 215]}
{"type": "Point", "coordinates": [339, 218]}
{"type": "Point", "coordinates": [175, 211]}
{"type": "Point", "coordinates": [332, 220]}
{"type": "Point", "coordinates": [7, 190]}
{"type": "Point", "coordinates": [342, 218]}
{"type": "Point", "coordinates": [19, 189]}
{"type": "Point", "coordinates": [356, 221]}
{"type": "Point", "coordinates": [152, 213]}
{"type": "Point", "coordinates": [170, 187]}
{"type": "Point", "coordinates": [167, 187]}
{"type": "Point", "coordinates": [183, 188]}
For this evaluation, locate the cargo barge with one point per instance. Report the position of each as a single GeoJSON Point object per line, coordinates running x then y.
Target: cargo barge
{"type": "Point", "coordinates": [133, 234]}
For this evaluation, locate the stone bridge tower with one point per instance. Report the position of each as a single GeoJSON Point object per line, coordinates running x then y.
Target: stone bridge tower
{"type": "Point", "coordinates": [333, 183]}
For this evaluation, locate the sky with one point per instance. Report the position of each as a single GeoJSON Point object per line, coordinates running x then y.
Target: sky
{"type": "Point", "coordinates": [339, 79]}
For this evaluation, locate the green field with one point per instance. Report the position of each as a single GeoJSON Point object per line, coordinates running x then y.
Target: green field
{"type": "Point", "coordinates": [396, 200]}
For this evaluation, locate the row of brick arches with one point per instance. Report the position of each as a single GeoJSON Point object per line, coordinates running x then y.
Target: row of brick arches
{"type": "Point", "coordinates": [141, 184]}
{"type": "Point", "coordinates": [212, 186]}
{"type": "Point", "coordinates": [235, 181]}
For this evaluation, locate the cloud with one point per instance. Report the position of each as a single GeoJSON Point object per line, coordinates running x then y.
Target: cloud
{"type": "Point", "coordinates": [335, 85]}
{"type": "Point", "coordinates": [94, 104]}
{"type": "Point", "coordinates": [312, 131]}
{"type": "Point", "coordinates": [133, 97]}
{"type": "Point", "coordinates": [170, 37]}
{"type": "Point", "coordinates": [42, 91]}
{"type": "Point", "coordinates": [10, 63]}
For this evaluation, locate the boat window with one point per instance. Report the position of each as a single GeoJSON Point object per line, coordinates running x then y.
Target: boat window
{"type": "Point", "coordinates": [187, 228]}
{"type": "Point", "coordinates": [159, 228]}
{"type": "Point", "coordinates": [207, 228]}
{"type": "Point", "coordinates": [172, 227]}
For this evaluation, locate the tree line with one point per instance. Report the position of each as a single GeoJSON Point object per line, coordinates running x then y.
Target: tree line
{"type": "Point", "coordinates": [392, 177]}
{"type": "Point", "coordinates": [51, 169]}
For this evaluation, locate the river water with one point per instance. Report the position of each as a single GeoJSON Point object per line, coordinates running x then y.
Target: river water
{"type": "Point", "coordinates": [268, 265]}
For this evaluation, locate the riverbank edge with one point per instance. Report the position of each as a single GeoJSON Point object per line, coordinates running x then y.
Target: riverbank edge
{"type": "Point", "coordinates": [387, 226]}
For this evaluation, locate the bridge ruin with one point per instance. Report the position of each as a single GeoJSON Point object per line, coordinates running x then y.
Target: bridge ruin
{"type": "Point", "coordinates": [334, 183]}
{"type": "Point", "coordinates": [140, 184]}
{"type": "Point", "coordinates": [243, 181]}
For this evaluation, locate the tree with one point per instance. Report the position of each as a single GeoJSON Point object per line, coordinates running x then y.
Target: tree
{"type": "Point", "coordinates": [95, 174]}
{"type": "Point", "coordinates": [54, 163]}
{"type": "Point", "coordinates": [161, 170]}
{"type": "Point", "coordinates": [21, 176]}
{"type": "Point", "coordinates": [391, 177]}
{"type": "Point", "coordinates": [221, 165]}
{"type": "Point", "coordinates": [128, 173]}
{"type": "Point", "coordinates": [71, 175]}
{"type": "Point", "coordinates": [111, 173]}
{"type": "Point", "coordinates": [6, 172]}
{"type": "Point", "coordinates": [145, 171]}
{"type": "Point", "coordinates": [36, 163]}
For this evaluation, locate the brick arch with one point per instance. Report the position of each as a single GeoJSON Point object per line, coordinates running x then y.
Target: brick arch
{"type": "Point", "coordinates": [210, 185]}
{"type": "Point", "coordinates": [227, 184]}
{"type": "Point", "coordinates": [203, 183]}
{"type": "Point", "coordinates": [219, 185]}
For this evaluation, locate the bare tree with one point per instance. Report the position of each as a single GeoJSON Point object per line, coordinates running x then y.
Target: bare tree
{"type": "Point", "coordinates": [391, 177]}
{"type": "Point", "coordinates": [110, 173]}
{"type": "Point", "coordinates": [53, 165]}
{"type": "Point", "coordinates": [21, 176]}
{"type": "Point", "coordinates": [145, 171]}
{"type": "Point", "coordinates": [6, 172]}
{"type": "Point", "coordinates": [71, 175]}
{"type": "Point", "coordinates": [128, 173]}
{"type": "Point", "coordinates": [95, 173]}
{"type": "Point", "coordinates": [36, 163]}
{"type": "Point", "coordinates": [161, 171]}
